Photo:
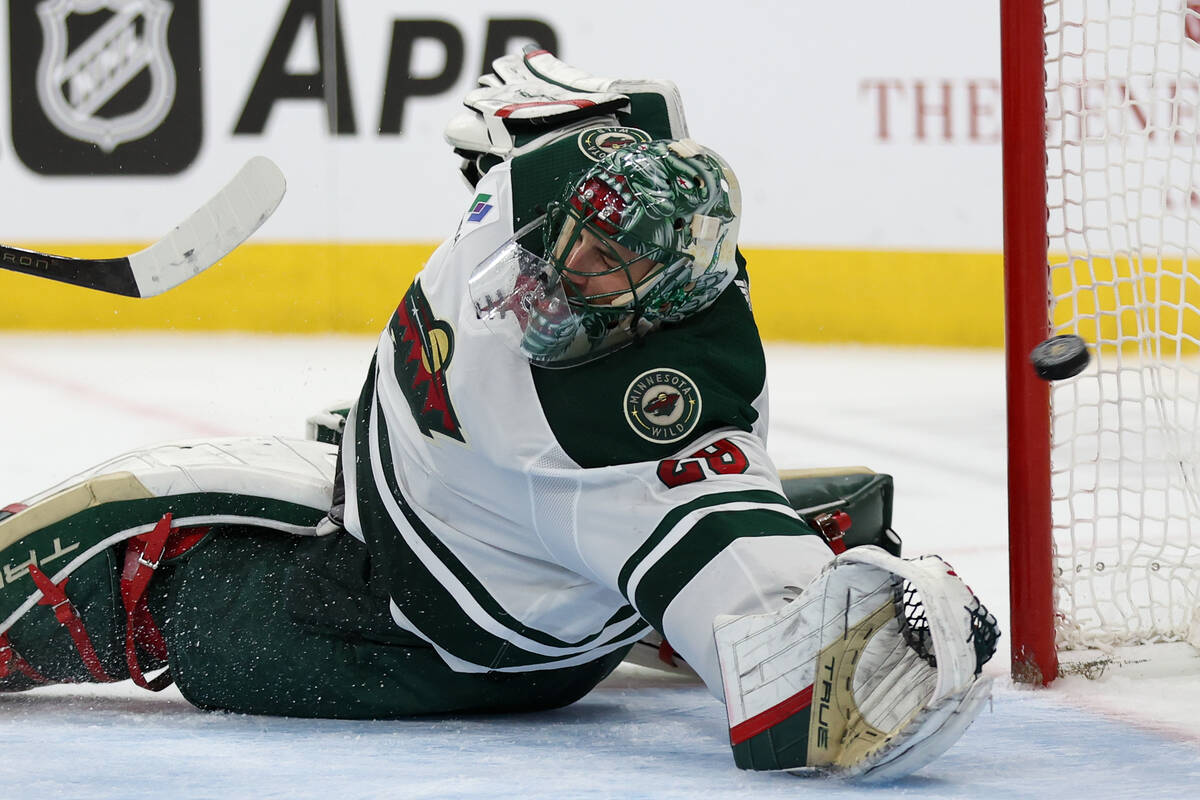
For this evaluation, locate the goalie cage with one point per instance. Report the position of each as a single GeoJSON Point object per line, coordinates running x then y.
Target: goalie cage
{"type": "Point", "coordinates": [1101, 106]}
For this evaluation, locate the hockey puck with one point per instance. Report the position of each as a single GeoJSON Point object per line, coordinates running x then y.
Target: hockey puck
{"type": "Point", "coordinates": [1060, 357]}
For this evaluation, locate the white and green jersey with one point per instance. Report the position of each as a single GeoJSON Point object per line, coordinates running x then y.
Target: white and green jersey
{"type": "Point", "coordinates": [532, 518]}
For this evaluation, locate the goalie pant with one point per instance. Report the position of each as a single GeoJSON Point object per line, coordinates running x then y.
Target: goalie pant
{"type": "Point", "coordinates": [123, 573]}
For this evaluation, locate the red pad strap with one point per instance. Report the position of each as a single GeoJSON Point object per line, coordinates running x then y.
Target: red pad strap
{"type": "Point", "coordinates": [833, 527]}
{"type": "Point", "coordinates": [666, 653]}
{"type": "Point", "coordinates": [142, 556]}
{"type": "Point", "coordinates": [55, 596]}
{"type": "Point", "coordinates": [10, 659]}
{"type": "Point", "coordinates": [182, 540]}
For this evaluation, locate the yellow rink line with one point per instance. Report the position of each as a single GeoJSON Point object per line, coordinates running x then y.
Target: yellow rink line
{"type": "Point", "coordinates": [878, 297]}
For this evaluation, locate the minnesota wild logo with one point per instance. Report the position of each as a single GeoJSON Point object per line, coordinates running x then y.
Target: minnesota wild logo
{"type": "Point", "coordinates": [596, 143]}
{"type": "Point", "coordinates": [424, 347]}
{"type": "Point", "coordinates": [662, 405]}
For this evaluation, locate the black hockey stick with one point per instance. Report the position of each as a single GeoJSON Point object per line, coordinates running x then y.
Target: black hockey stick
{"type": "Point", "coordinates": [197, 243]}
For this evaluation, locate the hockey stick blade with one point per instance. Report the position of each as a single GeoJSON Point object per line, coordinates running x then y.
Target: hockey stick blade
{"type": "Point", "coordinates": [201, 240]}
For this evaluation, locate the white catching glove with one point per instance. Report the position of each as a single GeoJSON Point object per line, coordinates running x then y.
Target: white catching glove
{"type": "Point", "coordinates": [872, 672]}
{"type": "Point", "coordinates": [533, 98]}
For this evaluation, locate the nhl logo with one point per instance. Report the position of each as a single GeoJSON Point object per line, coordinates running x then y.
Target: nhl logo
{"type": "Point", "coordinates": [77, 86]}
{"type": "Point", "coordinates": [662, 405]}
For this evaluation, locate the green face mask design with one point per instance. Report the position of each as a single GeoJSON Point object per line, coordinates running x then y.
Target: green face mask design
{"type": "Point", "coordinates": [645, 237]}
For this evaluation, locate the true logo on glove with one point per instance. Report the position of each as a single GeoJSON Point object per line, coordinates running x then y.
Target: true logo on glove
{"type": "Point", "coordinates": [596, 143]}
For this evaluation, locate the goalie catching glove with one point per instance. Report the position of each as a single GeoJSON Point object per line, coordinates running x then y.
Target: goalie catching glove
{"type": "Point", "coordinates": [873, 671]}
{"type": "Point", "coordinates": [533, 98]}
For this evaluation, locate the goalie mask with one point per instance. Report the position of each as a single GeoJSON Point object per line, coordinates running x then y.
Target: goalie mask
{"type": "Point", "coordinates": [645, 237]}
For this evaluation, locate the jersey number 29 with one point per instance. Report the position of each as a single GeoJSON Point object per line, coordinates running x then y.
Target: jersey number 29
{"type": "Point", "coordinates": [722, 457]}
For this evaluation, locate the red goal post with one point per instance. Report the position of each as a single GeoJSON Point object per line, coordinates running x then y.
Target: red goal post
{"type": "Point", "coordinates": [1027, 322]}
{"type": "Point", "coordinates": [1101, 131]}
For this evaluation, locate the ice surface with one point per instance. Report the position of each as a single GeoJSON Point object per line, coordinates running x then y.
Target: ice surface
{"type": "Point", "coordinates": [934, 419]}
{"type": "Point", "coordinates": [634, 737]}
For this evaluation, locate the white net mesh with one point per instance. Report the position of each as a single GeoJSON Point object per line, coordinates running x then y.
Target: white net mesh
{"type": "Point", "coordinates": [1123, 107]}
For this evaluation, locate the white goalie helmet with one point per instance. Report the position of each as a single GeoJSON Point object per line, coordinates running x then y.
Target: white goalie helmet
{"type": "Point", "coordinates": [664, 217]}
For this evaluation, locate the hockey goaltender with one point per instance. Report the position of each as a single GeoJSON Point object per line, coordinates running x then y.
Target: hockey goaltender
{"type": "Point", "coordinates": [558, 450]}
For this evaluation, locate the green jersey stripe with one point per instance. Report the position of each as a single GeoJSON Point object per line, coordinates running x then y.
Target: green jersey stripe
{"type": "Point", "coordinates": [667, 576]}
{"type": "Point", "coordinates": [757, 497]}
{"type": "Point", "coordinates": [459, 665]}
{"type": "Point", "coordinates": [434, 594]}
{"type": "Point", "coordinates": [460, 572]}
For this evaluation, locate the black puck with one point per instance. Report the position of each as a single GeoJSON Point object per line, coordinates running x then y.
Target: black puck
{"type": "Point", "coordinates": [1060, 357]}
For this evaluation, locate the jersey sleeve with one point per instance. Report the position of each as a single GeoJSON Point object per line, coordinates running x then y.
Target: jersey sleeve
{"type": "Point", "coordinates": [658, 523]}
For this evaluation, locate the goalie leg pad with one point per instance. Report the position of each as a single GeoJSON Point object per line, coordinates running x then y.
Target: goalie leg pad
{"type": "Point", "coordinates": [872, 671]}
{"type": "Point", "coordinates": [87, 619]}
{"type": "Point", "coordinates": [77, 599]}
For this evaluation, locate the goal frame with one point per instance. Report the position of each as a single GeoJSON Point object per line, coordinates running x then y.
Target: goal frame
{"type": "Point", "coordinates": [1027, 322]}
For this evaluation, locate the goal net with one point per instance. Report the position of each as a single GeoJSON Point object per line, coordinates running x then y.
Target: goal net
{"type": "Point", "coordinates": [1118, 265]}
